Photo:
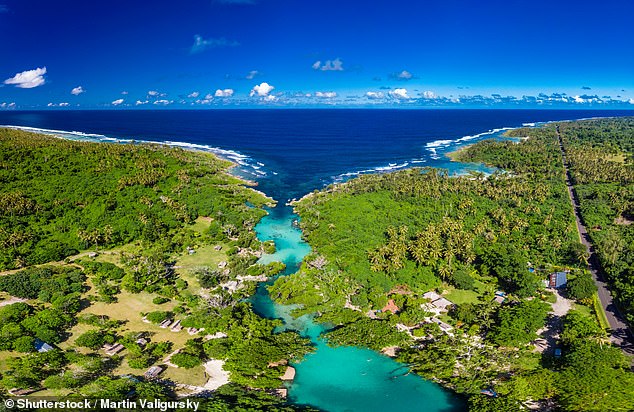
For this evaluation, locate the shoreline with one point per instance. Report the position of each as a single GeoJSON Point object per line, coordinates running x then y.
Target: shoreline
{"type": "Point", "coordinates": [102, 139]}
{"type": "Point", "coordinates": [230, 155]}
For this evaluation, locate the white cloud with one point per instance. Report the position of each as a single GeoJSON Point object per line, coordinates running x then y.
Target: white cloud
{"type": "Point", "coordinates": [201, 44]}
{"type": "Point", "coordinates": [209, 96]}
{"type": "Point", "coordinates": [117, 102]}
{"type": "Point", "coordinates": [252, 74]}
{"type": "Point", "coordinates": [124, 92]}
{"type": "Point", "coordinates": [50, 105]}
{"type": "Point", "coordinates": [224, 93]}
{"type": "Point", "coordinates": [631, 101]}
{"type": "Point", "coordinates": [77, 91]}
{"type": "Point", "coordinates": [261, 90]}
{"type": "Point", "coordinates": [139, 102]}
{"type": "Point", "coordinates": [375, 95]}
{"type": "Point", "coordinates": [193, 95]}
{"type": "Point", "coordinates": [329, 65]}
{"type": "Point", "coordinates": [152, 93]}
{"type": "Point", "coordinates": [327, 95]}
{"type": "Point", "coordinates": [163, 102]}
{"type": "Point", "coordinates": [28, 79]}
{"type": "Point", "coordinates": [5, 105]}
{"type": "Point", "coordinates": [64, 104]}
{"type": "Point", "coordinates": [404, 75]}
{"type": "Point", "coordinates": [429, 94]}
{"type": "Point", "coordinates": [270, 98]}
{"type": "Point", "coordinates": [400, 94]}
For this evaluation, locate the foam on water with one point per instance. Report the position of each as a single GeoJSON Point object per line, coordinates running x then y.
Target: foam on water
{"type": "Point", "coordinates": [247, 166]}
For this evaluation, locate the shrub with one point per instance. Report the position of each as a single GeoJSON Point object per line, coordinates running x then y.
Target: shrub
{"type": "Point", "coordinates": [158, 317]}
{"type": "Point", "coordinates": [159, 300]}
{"type": "Point", "coordinates": [581, 287]}
{"type": "Point", "coordinates": [24, 344]}
{"type": "Point", "coordinates": [94, 339]}
{"type": "Point", "coordinates": [462, 280]}
{"type": "Point", "coordinates": [185, 360]}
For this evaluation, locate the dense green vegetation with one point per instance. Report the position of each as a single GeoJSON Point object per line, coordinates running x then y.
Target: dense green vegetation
{"type": "Point", "coordinates": [419, 227]}
{"type": "Point", "coordinates": [601, 156]}
{"type": "Point", "coordinates": [153, 205]}
{"type": "Point", "coordinates": [392, 237]}
{"type": "Point", "coordinates": [45, 283]}
{"type": "Point", "coordinates": [60, 196]}
{"type": "Point", "coordinates": [517, 325]}
{"type": "Point", "coordinates": [380, 243]}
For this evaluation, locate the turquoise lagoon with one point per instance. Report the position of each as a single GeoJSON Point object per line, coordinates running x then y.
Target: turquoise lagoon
{"type": "Point", "coordinates": [342, 378]}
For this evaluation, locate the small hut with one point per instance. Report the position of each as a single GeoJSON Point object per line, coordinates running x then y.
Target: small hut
{"type": "Point", "coordinates": [390, 307]}
{"type": "Point", "coordinates": [153, 372]}
{"type": "Point", "coordinates": [557, 280]}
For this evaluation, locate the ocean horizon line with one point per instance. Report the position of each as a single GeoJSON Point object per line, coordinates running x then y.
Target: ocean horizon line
{"type": "Point", "coordinates": [318, 108]}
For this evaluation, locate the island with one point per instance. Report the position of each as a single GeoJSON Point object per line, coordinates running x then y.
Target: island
{"type": "Point", "coordinates": [133, 271]}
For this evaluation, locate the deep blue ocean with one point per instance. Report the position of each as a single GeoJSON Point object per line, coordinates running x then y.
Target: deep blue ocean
{"type": "Point", "coordinates": [291, 152]}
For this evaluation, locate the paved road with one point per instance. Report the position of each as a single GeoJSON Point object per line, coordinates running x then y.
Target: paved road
{"type": "Point", "coordinates": [620, 334]}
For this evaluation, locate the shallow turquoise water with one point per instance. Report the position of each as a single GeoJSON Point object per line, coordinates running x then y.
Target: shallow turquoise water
{"type": "Point", "coordinates": [343, 378]}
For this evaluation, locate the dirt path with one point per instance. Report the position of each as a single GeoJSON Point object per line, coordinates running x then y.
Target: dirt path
{"type": "Point", "coordinates": [549, 334]}
{"type": "Point", "coordinates": [620, 334]}
{"type": "Point", "coordinates": [11, 301]}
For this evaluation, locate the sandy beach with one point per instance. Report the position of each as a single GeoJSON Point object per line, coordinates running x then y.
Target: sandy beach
{"type": "Point", "coordinates": [217, 375]}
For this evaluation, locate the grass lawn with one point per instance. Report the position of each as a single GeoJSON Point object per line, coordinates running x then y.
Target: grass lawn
{"type": "Point", "coordinates": [194, 376]}
{"type": "Point", "coordinates": [583, 309]}
{"type": "Point", "coordinates": [598, 309]}
{"type": "Point", "coordinates": [200, 224]}
{"type": "Point", "coordinates": [114, 255]}
{"type": "Point", "coordinates": [204, 256]}
{"type": "Point", "coordinates": [459, 296]}
{"type": "Point", "coordinates": [527, 361]}
{"type": "Point", "coordinates": [129, 308]}
{"type": "Point", "coordinates": [53, 393]}
{"type": "Point", "coordinates": [5, 355]}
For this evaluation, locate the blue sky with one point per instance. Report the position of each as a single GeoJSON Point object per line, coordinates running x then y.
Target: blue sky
{"type": "Point", "coordinates": [243, 53]}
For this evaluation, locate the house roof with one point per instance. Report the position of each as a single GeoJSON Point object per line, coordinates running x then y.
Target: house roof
{"type": "Point", "coordinates": [154, 371]}
{"type": "Point", "coordinates": [558, 279]}
{"type": "Point", "coordinates": [42, 346]}
{"type": "Point", "coordinates": [390, 307]}
{"type": "Point", "coordinates": [431, 295]}
{"type": "Point", "coordinates": [442, 303]}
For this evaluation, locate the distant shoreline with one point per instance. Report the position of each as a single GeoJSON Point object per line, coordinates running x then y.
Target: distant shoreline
{"type": "Point", "coordinates": [101, 139]}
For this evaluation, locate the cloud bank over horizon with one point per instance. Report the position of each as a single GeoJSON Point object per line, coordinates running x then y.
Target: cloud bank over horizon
{"type": "Point", "coordinates": [230, 53]}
